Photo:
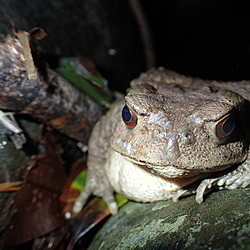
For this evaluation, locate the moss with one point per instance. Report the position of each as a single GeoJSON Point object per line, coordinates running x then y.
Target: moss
{"type": "Point", "coordinates": [221, 222]}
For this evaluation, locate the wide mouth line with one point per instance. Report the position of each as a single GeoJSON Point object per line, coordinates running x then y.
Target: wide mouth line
{"type": "Point", "coordinates": [144, 163]}
{"type": "Point", "coordinates": [194, 169]}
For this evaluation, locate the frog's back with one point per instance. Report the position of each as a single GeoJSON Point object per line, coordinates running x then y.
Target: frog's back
{"type": "Point", "coordinates": [157, 77]}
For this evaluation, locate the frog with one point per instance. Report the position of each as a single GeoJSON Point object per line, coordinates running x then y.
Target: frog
{"type": "Point", "coordinates": [170, 136]}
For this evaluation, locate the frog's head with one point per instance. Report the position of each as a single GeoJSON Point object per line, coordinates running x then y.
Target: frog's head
{"type": "Point", "coordinates": [174, 128]}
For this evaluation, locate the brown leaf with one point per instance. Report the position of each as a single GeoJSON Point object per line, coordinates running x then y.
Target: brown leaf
{"type": "Point", "coordinates": [38, 208]}
{"type": "Point", "coordinates": [92, 214]}
{"type": "Point", "coordinates": [69, 193]}
{"type": "Point", "coordinates": [56, 240]}
{"type": "Point", "coordinates": [59, 121]}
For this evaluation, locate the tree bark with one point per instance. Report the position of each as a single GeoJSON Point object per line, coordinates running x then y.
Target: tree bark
{"type": "Point", "coordinates": [48, 98]}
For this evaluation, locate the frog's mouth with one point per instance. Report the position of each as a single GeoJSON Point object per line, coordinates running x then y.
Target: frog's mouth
{"type": "Point", "coordinates": [173, 171]}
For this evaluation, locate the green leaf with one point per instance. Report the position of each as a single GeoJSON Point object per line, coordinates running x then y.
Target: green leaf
{"type": "Point", "coordinates": [120, 200]}
{"type": "Point", "coordinates": [80, 182]}
{"type": "Point", "coordinates": [93, 86]}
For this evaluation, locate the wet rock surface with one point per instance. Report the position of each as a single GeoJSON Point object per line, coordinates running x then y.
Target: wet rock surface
{"type": "Point", "coordinates": [221, 222]}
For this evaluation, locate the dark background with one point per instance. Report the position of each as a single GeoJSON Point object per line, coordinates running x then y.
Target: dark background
{"type": "Point", "coordinates": [205, 38]}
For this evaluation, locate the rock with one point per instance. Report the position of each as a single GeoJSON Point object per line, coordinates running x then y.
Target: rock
{"type": "Point", "coordinates": [221, 222]}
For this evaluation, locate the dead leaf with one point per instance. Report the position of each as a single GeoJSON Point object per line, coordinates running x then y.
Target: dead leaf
{"type": "Point", "coordinates": [92, 214]}
{"type": "Point", "coordinates": [38, 207]}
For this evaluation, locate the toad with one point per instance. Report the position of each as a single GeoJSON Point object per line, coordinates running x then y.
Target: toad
{"type": "Point", "coordinates": [171, 136]}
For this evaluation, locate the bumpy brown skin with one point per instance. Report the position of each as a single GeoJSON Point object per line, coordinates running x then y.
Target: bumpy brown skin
{"type": "Point", "coordinates": [186, 130]}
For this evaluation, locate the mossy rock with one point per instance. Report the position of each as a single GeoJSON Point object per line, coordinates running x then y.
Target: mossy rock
{"type": "Point", "coordinates": [221, 222]}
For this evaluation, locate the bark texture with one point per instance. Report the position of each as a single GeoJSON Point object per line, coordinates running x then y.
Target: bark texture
{"type": "Point", "coordinates": [49, 98]}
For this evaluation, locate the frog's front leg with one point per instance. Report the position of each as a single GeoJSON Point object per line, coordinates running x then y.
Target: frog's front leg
{"type": "Point", "coordinates": [98, 185]}
{"type": "Point", "coordinates": [97, 182]}
{"type": "Point", "coordinates": [238, 178]}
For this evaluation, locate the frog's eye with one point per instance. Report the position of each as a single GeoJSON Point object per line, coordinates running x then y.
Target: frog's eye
{"type": "Point", "coordinates": [225, 127]}
{"type": "Point", "coordinates": [129, 117]}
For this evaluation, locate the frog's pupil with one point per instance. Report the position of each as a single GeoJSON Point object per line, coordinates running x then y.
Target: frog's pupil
{"type": "Point", "coordinates": [229, 125]}
{"type": "Point", "coordinates": [126, 115]}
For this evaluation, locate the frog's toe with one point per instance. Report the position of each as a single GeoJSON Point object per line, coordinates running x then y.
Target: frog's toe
{"type": "Point", "coordinates": [77, 207]}
{"type": "Point", "coordinates": [80, 202]}
{"type": "Point", "coordinates": [111, 203]}
{"type": "Point", "coordinates": [203, 187]}
{"type": "Point", "coordinates": [181, 193]}
{"type": "Point", "coordinates": [113, 208]}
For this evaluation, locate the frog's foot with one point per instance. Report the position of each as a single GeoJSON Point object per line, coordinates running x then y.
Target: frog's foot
{"type": "Point", "coordinates": [101, 189]}
{"type": "Point", "coordinates": [203, 187]}
{"type": "Point", "coordinates": [181, 193]}
{"type": "Point", "coordinates": [238, 178]}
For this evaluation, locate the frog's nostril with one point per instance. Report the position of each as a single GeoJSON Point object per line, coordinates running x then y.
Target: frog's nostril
{"type": "Point", "coordinates": [189, 138]}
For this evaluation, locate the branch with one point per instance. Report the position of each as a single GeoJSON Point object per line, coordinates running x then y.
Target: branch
{"type": "Point", "coordinates": [48, 98]}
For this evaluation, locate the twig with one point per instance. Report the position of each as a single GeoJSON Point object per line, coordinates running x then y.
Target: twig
{"type": "Point", "coordinates": [24, 39]}
{"type": "Point", "coordinates": [145, 33]}
{"type": "Point", "coordinates": [10, 186]}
